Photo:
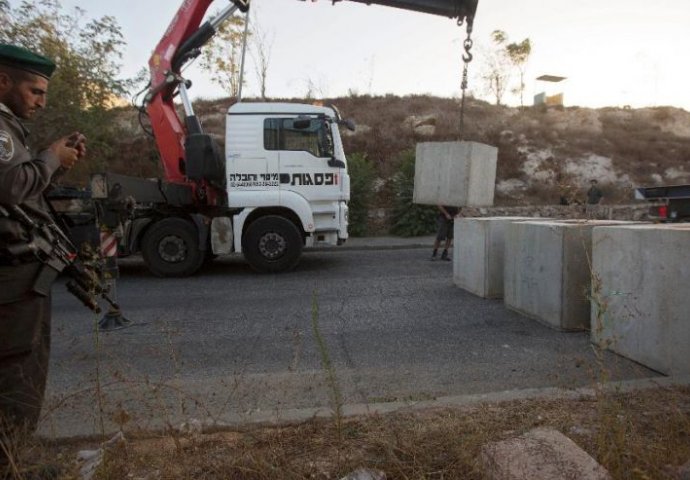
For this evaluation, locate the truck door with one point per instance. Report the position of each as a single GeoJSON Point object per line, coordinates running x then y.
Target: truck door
{"type": "Point", "coordinates": [248, 164]}
{"type": "Point", "coordinates": [307, 163]}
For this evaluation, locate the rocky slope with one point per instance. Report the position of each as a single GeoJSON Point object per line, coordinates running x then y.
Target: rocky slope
{"type": "Point", "coordinates": [541, 151]}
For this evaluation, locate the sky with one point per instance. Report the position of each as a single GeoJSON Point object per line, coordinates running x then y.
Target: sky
{"type": "Point", "coordinates": [613, 52]}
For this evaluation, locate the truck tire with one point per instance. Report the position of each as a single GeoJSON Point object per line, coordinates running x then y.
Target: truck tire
{"type": "Point", "coordinates": [272, 244]}
{"type": "Point", "coordinates": [170, 248]}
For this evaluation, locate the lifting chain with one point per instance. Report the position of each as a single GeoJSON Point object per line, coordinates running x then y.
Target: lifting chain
{"type": "Point", "coordinates": [466, 59]}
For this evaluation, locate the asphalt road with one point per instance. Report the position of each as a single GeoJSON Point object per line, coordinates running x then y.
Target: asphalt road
{"type": "Point", "coordinates": [228, 343]}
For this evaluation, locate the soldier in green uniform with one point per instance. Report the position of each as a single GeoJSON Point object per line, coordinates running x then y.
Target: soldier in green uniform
{"type": "Point", "coordinates": [24, 314]}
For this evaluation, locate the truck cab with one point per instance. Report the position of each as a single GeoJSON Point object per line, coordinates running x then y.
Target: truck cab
{"type": "Point", "coordinates": [285, 168]}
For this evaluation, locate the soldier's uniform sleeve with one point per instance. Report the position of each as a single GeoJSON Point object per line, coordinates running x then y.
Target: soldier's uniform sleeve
{"type": "Point", "coordinates": [22, 176]}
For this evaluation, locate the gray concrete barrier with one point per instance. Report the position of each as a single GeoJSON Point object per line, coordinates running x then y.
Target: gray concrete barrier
{"type": "Point", "coordinates": [455, 173]}
{"type": "Point", "coordinates": [547, 271]}
{"type": "Point", "coordinates": [641, 294]}
{"type": "Point", "coordinates": [478, 254]}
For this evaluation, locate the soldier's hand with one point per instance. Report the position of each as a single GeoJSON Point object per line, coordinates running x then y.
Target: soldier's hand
{"type": "Point", "coordinates": [78, 141]}
{"type": "Point", "coordinates": [69, 149]}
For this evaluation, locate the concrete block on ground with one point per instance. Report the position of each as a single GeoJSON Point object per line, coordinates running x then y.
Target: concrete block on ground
{"type": "Point", "coordinates": [642, 294]}
{"type": "Point", "coordinates": [547, 272]}
{"type": "Point", "coordinates": [478, 254]}
{"type": "Point", "coordinates": [455, 173]}
{"type": "Point", "coordinates": [540, 454]}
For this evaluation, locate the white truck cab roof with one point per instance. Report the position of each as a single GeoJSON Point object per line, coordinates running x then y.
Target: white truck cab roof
{"type": "Point", "coordinates": [257, 108]}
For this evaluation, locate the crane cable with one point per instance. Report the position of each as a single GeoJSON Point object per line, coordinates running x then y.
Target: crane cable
{"type": "Point", "coordinates": [466, 59]}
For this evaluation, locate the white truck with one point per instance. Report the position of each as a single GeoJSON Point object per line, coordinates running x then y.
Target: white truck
{"type": "Point", "coordinates": [286, 183]}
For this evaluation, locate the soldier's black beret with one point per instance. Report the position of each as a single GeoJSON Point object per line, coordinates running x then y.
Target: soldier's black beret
{"type": "Point", "coordinates": [23, 59]}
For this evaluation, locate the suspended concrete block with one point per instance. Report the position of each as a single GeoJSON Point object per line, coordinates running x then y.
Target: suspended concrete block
{"type": "Point", "coordinates": [478, 254]}
{"type": "Point", "coordinates": [455, 173]}
{"type": "Point", "coordinates": [641, 297]}
{"type": "Point", "coordinates": [547, 271]}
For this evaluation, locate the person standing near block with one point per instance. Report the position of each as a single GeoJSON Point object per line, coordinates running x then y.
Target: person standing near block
{"type": "Point", "coordinates": [594, 194]}
{"type": "Point", "coordinates": [444, 231]}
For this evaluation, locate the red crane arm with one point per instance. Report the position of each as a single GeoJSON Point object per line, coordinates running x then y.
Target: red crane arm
{"type": "Point", "coordinates": [165, 122]}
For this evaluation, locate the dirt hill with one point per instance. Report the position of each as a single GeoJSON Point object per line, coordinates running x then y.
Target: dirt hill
{"type": "Point", "coordinates": [542, 152]}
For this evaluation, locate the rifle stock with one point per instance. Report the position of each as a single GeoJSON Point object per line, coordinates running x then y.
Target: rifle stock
{"type": "Point", "coordinates": [49, 245]}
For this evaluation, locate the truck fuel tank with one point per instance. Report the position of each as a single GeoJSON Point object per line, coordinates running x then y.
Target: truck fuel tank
{"type": "Point", "coordinates": [460, 9]}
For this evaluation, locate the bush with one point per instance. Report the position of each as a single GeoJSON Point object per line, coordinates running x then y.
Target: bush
{"type": "Point", "coordinates": [410, 220]}
{"type": "Point", "coordinates": [362, 176]}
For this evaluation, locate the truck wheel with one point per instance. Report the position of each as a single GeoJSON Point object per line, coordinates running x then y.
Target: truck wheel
{"type": "Point", "coordinates": [171, 248]}
{"type": "Point", "coordinates": [272, 244]}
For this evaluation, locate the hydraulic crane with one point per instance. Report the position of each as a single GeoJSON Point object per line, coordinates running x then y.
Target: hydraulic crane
{"type": "Point", "coordinates": [280, 185]}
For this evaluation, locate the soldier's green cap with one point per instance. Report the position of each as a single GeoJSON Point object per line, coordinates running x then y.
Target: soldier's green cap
{"type": "Point", "coordinates": [23, 59]}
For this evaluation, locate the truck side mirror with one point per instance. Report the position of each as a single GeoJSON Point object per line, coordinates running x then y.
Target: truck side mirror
{"type": "Point", "coordinates": [349, 124]}
{"type": "Point", "coordinates": [334, 162]}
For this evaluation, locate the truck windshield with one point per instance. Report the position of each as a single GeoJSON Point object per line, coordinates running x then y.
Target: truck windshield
{"type": "Point", "coordinates": [293, 134]}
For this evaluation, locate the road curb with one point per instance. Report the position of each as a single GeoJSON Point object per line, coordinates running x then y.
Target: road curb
{"type": "Point", "coordinates": [379, 243]}
{"type": "Point", "coordinates": [289, 417]}
{"type": "Point", "coordinates": [295, 416]}
{"type": "Point", "coordinates": [367, 247]}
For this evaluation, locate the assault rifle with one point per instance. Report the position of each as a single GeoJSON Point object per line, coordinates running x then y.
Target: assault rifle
{"type": "Point", "coordinates": [49, 244]}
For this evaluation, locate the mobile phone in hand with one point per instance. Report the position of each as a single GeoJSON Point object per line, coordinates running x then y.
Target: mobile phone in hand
{"type": "Point", "coordinates": [73, 140]}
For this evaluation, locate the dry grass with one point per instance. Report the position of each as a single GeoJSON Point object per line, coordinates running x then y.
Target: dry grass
{"type": "Point", "coordinates": [640, 435]}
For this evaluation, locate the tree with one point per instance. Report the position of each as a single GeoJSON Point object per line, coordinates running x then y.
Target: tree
{"type": "Point", "coordinates": [496, 72]}
{"type": "Point", "coordinates": [362, 178]}
{"type": "Point", "coordinates": [519, 53]}
{"type": "Point", "coordinates": [409, 219]}
{"type": "Point", "coordinates": [221, 58]}
{"type": "Point", "coordinates": [501, 60]}
{"type": "Point", "coordinates": [262, 47]}
{"type": "Point", "coordinates": [85, 83]}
